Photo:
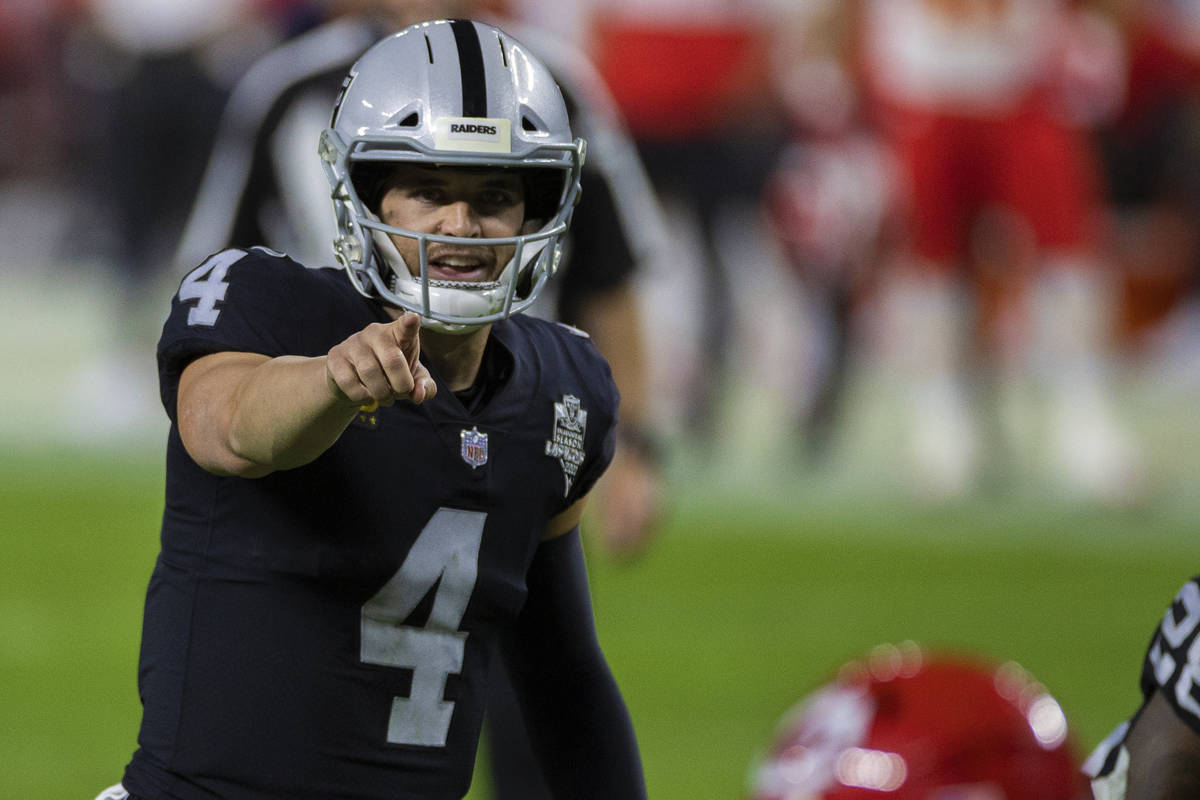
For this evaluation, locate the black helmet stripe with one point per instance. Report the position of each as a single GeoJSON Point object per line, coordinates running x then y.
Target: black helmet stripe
{"type": "Point", "coordinates": [470, 63]}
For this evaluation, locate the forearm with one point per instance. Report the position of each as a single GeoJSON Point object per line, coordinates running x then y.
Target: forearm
{"type": "Point", "coordinates": [288, 413]}
{"type": "Point", "coordinates": [614, 322]}
{"type": "Point", "coordinates": [583, 736]}
{"type": "Point", "coordinates": [577, 720]}
{"type": "Point", "coordinates": [249, 416]}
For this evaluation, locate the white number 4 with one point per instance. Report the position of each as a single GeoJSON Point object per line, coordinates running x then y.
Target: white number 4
{"type": "Point", "coordinates": [447, 549]}
{"type": "Point", "coordinates": [206, 283]}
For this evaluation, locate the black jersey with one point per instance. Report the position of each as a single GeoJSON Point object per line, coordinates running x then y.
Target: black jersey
{"type": "Point", "coordinates": [325, 631]}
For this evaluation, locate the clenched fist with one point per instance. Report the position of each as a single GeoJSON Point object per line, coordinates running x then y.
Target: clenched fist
{"type": "Point", "coordinates": [381, 363]}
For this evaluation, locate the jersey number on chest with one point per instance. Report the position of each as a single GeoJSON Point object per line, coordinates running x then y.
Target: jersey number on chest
{"type": "Point", "coordinates": [445, 555]}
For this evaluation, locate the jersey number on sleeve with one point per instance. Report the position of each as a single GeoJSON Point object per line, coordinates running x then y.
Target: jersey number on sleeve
{"type": "Point", "coordinates": [206, 283]}
{"type": "Point", "coordinates": [445, 555]}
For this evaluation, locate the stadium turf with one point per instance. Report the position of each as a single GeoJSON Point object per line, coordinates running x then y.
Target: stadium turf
{"type": "Point", "coordinates": [744, 603]}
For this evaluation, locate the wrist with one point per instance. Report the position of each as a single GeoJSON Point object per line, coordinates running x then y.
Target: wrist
{"type": "Point", "coordinates": [338, 398]}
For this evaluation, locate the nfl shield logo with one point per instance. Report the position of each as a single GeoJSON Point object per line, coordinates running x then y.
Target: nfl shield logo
{"type": "Point", "coordinates": [474, 447]}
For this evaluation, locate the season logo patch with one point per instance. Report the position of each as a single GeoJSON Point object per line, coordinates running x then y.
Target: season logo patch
{"type": "Point", "coordinates": [566, 439]}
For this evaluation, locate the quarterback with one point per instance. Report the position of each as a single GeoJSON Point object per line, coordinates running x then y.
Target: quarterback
{"type": "Point", "coordinates": [375, 474]}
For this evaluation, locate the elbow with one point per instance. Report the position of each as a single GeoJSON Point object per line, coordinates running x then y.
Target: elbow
{"type": "Point", "coordinates": [228, 464]}
{"type": "Point", "coordinates": [229, 456]}
{"type": "Point", "coordinates": [219, 458]}
{"type": "Point", "coordinates": [239, 468]}
{"type": "Point", "coordinates": [235, 461]}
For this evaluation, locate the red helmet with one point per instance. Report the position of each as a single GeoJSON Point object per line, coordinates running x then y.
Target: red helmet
{"type": "Point", "coordinates": [905, 724]}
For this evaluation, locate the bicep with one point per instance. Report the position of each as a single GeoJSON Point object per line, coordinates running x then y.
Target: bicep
{"type": "Point", "coordinates": [566, 520]}
{"type": "Point", "coordinates": [208, 389]}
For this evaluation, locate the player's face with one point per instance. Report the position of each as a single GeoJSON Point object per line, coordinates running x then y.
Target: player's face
{"type": "Point", "coordinates": [467, 203]}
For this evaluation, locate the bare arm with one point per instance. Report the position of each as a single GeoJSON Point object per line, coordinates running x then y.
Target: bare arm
{"type": "Point", "coordinates": [632, 488]}
{"type": "Point", "coordinates": [614, 322]}
{"type": "Point", "coordinates": [1164, 755]}
{"type": "Point", "coordinates": [565, 521]}
{"type": "Point", "coordinates": [249, 415]}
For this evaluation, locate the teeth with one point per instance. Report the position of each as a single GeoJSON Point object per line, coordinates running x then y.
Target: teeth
{"type": "Point", "coordinates": [461, 263]}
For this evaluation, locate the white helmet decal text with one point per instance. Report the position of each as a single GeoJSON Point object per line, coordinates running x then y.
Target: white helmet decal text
{"type": "Point", "coordinates": [473, 134]}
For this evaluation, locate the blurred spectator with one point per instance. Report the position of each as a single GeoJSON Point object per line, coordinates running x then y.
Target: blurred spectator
{"type": "Point", "coordinates": [987, 107]}
{"type": "Point", "coordinates": [830, 203]}
{"type": "Point", "coordinates": [293, 17]}
{"type": "Point", "coordinates": [122, 98]}
{"type": "Point", "coordinates": [912, 724]}
{"type": "Point", "coordinates": [161, 72]}
{"type": "Point", "coordinates": [693, 79]}
{"type": "Point", "coordinates": [44, 142]}
{"type": "Point", "coordinates": [1152, 156]}
{"type": "Point", "coordinates": [32, 102]}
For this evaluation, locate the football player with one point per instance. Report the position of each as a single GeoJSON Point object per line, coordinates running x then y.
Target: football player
{"type": "Point", "coordinates": [911, 724]}
{"type": "Point", "coordinates": [261, 189]}
{"type": "Point", "coordinates": [375, 475]}
{"type": "Point", "coordinates": [1155, 755]}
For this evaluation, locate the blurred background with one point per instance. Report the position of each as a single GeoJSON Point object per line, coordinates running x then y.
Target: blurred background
{"type": "Point", "coordinates": [922, 331]}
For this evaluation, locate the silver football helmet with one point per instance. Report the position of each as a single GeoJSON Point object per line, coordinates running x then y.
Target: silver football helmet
{"type": "Point", "coordinates": [450, 93]}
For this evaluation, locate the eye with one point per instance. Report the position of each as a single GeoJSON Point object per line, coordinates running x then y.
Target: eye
{"type": "Point", "coordinates": [495, 197]}
{"type": "Point", "coordinates": [429, 194]}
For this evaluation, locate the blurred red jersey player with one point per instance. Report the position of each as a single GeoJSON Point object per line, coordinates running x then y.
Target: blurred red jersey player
{"type": "Point", "coordinates": [986, 104]}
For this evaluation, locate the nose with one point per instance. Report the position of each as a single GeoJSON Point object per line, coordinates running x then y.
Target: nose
{"type": "Point", "coordinates": [459, 219]}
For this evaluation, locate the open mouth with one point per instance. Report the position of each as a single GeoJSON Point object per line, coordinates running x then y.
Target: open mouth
{"type": "Point", "coordinates": [460, 268]}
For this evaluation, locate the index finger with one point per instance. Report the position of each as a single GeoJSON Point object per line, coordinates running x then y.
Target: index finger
{"type": "Point", "coordinates": [406, 331]}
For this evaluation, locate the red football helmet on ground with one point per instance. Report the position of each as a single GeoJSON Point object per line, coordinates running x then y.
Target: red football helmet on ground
{"type": "Point", "coordinates": [905, 724]}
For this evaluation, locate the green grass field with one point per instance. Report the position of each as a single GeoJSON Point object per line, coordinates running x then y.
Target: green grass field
{"type": "Point", "coordinates": [745, 603]}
